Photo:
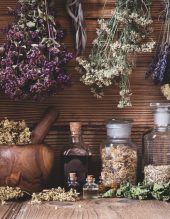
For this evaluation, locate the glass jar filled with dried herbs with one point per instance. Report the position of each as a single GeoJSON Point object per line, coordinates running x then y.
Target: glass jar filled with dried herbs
{"type": "Point", "coordinates": [157, 146]}
{"type": "Point", "coordinates": [118, 156]}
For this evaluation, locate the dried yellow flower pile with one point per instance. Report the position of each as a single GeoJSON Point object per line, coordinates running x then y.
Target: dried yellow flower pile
{"type": "Point", "coordinates": [119, 164]}
{"type": "Point", "coordinates": [157, 174]}
{"type": "Point", "coordinates": [54, 194]}
{"type": "Point", "coordinates": [12, 132]}
{"type": "Point", "coordinates": [8, 193]}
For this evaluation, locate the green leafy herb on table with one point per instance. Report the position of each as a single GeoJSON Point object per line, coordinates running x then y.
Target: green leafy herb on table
{"type": "Point", "coordinates": [142, 192]}
{"type": "Point", "coordinates": [161, 191]}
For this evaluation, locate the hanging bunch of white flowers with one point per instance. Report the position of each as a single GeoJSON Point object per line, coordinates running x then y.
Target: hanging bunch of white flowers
{"type": "Point", "coordinates": [110, 61]}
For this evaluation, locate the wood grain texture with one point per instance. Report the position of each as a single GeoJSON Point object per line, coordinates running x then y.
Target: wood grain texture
{"type": "Point", "coordinates": [76, 102]}
{"type": "Point", "coordinates": [90, 209]}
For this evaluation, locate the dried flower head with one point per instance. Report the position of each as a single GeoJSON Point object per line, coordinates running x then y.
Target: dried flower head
{"type": "Point", "coordinates": [109, 62]}
{"type": "Point", "coordinates": [33, 57]}
{"type": "Point", "coordinates": [12, 132]}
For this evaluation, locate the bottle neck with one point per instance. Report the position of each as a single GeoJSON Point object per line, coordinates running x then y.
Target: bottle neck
{"type": "Point", "coordinates": [76, 140]}
{"type": "Point", "coordinates": [162, 128]}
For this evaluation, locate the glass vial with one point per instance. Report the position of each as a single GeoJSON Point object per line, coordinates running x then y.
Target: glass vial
{"type": "Point", "coordinates": [118, 156]}
{"type": "Point", "coordinates": [157, 146]}
{"type": "Point", "coordinates": [72, 182]}
{"type": "Point", "coordinates": [77, 155]}
{"type": "Point", "coordinates": [90, 189]}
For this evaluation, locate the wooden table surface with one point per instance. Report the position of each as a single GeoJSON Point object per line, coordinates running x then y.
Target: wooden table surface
{"type": "Point", "coordinates": [91, 209]}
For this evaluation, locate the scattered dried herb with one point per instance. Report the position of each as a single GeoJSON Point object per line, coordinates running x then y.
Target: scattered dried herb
{"type": "Point", "coordinates": [8, 193]}
{"type": "Point", "coordinates": [54, 194]}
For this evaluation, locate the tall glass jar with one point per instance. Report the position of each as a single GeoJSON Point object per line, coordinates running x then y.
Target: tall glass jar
{"type": "Point", "coordinates": [157, 146]}
{"type": "Point", "coordinates": [119, 159]}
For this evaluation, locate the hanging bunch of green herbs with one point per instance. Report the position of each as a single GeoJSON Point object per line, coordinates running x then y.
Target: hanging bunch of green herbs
{"type": "Point", "coordinates": [111, 59]}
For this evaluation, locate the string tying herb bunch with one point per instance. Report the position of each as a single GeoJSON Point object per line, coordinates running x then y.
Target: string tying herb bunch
{"type": "Point", "coordinates": [33, 58]}
{"type": "Point", "coordinates": [111, 59]}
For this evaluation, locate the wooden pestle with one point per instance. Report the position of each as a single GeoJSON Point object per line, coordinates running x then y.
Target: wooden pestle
{"type": "Point", "coordinates": [41, 130]}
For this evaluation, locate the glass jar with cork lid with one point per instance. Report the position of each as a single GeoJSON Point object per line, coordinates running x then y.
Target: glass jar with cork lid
{"type": "Point", "coordinates": [118, 154]}
{"type": "Point", "coordinates": [76, 156]}
{"type": "Point", "coordinates": [157, 146]}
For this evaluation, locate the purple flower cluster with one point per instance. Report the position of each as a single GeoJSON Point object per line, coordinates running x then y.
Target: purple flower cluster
{"type": "Point", "coordinates": [33, 58]}
{"type": "Point", "coordinates": [159, 65]}
{"type": "Point", "coordinates": [159, 68]}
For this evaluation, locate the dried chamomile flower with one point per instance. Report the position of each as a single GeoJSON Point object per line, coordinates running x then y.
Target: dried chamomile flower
{"type": "Point", "coordinates": [8, 193]}
{"type": "Point", "coordinates": [119, 165]}
{"type": "Point", "coordinates": [157, 174]}
{"type": "Point", "coordinates": [54, 194]}
{"type": "Point", "coordinates": [12, 132]}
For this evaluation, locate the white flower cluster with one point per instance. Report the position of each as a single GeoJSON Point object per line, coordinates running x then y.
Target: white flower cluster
{"type": "Point", "coordinates": [109, 59]}
{"type": "Point", "coordinates": [125, 17]}
{"type": "Point", "coordinates": [138, 19]}
{"type": "Point", "coordinates": [166, 91]}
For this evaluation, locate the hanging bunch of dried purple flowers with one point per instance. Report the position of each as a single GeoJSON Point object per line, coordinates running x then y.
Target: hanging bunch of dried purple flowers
{"type": "Point", "coordinates": [33, 58]}
{"type": "Point", "coordinates": [159, 69]}
{"type": "Point", "coordinates": [74, 9]}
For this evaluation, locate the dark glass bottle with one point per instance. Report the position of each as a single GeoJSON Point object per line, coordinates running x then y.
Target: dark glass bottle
{"type": "Point", "coordinates": [77, 155]}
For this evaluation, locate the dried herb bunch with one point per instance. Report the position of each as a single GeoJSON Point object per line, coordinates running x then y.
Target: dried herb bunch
{"type": "Point", "coordinates": [159, 68]}
{"type": "Point", "coordinates": [54, 194]}
{"type": "Point", "coordinates": [111, 59]}
{"type": "Point", "coordinates": [8, 193]}
{"type": "Point", "coordinates": [119, 165]}
{"type": "Point", "coordinates": [157, 174]}
{"type": "Point", "coordinates": [12, 132]}
{"type": "Point", "coordinates": [33, 58]}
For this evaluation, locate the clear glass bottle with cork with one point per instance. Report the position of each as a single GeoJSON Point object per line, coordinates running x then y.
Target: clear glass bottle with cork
{"type": "Point", "coordinates": [77, 155]}
{"type": "Point", "coordinates": [157, 146]}
{"type": "Point", "coordinates": [90, 189]}
{"type": "Point", "coordinates": [118, 154]}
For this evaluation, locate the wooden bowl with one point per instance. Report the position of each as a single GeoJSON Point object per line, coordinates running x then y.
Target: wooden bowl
{"type": "Point", "coordinates": [26, 166]}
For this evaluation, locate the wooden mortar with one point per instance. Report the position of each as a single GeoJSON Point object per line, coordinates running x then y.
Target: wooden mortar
{"type": "Point", "coordinates": [29, 166]}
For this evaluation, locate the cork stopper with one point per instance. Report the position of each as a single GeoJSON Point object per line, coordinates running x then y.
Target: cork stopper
{"type": "Point", "coordinates": [90, 178]}
{"type": "Point", "coordinates": [75, 127]}
{"type": "Point", "coordinates": [72, 176]}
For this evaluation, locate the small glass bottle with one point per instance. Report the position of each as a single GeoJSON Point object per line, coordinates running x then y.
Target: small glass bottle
{"type": "Point", "coordinates": [118, 156]}
{"type": "Point", "coordinates": [90, 189]}
{"type": "Point", "coordinates": [77, 155]}
{"type": "Point", "coordinates": [72, 182]}
{"type": "Point", "coordinates": [157, 146]}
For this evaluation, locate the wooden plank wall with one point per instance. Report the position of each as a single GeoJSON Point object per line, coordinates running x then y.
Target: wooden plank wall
{"type": "Point", "coordinates": [76, 102]}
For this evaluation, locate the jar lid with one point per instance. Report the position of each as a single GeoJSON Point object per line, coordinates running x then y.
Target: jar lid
{"type": "Point", "coordinates": [160, 107]}
{"type": "Point", "coordinates": [161, 114]}
{"type": "Point", "coordinates": [119, 128]}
